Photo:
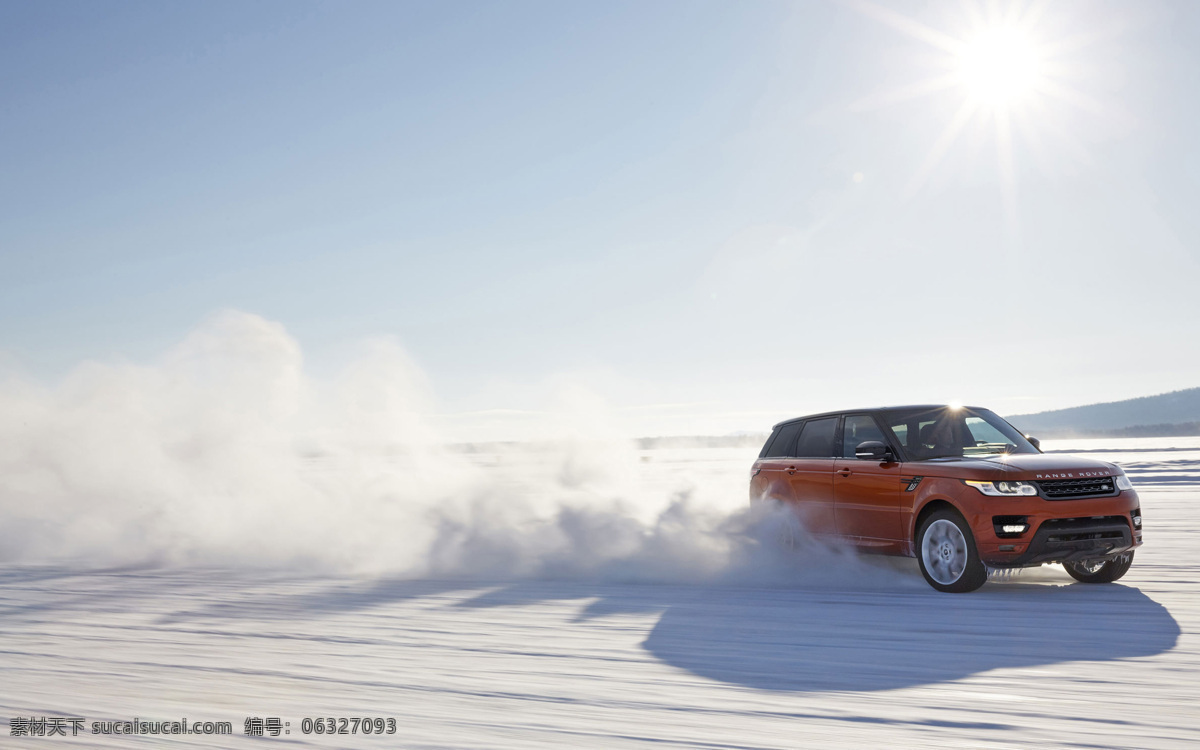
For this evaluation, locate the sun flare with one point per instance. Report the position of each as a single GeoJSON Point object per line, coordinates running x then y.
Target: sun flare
{"type": "Point", "coordinates": [1000, 66]}
{"type": "Point", "coordinates": [1016, 79]}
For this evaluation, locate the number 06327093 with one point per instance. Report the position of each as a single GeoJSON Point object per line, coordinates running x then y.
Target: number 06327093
{"type": "Point", "coordinates": [348, 725]}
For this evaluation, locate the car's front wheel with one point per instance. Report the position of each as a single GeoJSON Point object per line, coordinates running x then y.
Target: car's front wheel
{"type": "Point", "coordinates": [1100, 571]}
{"type": "Point", "coordinates": [947, 555]}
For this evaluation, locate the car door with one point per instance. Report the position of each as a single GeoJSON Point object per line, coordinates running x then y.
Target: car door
{"type": "Point", "coordinates": [770, 480]}
{"type": "Point", "coordinates": [866, 491]}
{"type": "Point", "coordinates": [811, 474]}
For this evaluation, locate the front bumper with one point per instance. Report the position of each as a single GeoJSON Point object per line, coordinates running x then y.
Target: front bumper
{"type": "Point", "coordinates": [1065, 540]}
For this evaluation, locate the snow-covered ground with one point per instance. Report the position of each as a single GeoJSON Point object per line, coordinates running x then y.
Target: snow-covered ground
{"type": "Point", "coordinates": [834, 652]}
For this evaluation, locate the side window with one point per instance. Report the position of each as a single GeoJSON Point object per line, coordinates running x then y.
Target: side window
{"type": "Point", "coordinates": [780, 446]}
{"type": "Point", "coordinates": [817, 439]}
{"type": "Point", "coordinates": [906, 429]}
{"type": "Point", "coordinates": [857, 430]}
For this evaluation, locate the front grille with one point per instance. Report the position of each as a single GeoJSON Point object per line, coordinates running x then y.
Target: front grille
{"type": "Point", "coordinates": [1066, 489]}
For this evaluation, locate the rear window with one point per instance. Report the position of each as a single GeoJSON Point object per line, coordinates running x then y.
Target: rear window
{"type": "Point", "coordinates": [817, 439]}
{"type": "Point", "coordinates": [779, 445]}
{"type": "Point", "coordinates": [767, 445]}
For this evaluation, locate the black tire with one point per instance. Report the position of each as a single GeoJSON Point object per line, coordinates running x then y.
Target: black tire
{"type": "Point", "coordinates": [1106, 572]}
{"type": "Point", "coordinates": [953, 563]}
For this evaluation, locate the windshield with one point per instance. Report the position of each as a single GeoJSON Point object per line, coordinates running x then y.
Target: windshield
{"type": "Point", "coordinates": [946, 432]}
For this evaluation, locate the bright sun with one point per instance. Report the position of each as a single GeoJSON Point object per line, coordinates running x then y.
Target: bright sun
{"type": "Point", "coordinates": [999, 67]}
{"type": "Point", "coordinates": [1014, 78]}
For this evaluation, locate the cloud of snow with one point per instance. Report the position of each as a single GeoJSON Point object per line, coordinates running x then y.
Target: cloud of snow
{"type": "Point", "coordinates": [223, 452]}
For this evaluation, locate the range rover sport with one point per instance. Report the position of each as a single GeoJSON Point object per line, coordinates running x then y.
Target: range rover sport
{"type": "Point", "coordinates": [958, 488]}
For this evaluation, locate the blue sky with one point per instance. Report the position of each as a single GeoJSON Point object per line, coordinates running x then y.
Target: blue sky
{"type": "Point", "coordinates": [710, 215]}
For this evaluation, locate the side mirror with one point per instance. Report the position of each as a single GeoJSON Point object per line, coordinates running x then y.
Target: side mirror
{"type": "Point", "coordinates": [1034, 441]}
{"type": "Point", "coordinates": [873, 450]}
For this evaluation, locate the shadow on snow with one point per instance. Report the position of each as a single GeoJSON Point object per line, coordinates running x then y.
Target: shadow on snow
{"type": "Point", "coordinates": [780, 639]}
{"type": "Point", "coordinates": [828, 641]}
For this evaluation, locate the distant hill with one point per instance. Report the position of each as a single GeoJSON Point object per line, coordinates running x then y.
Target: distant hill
{"type": "Point", "coordinates": [1165, 415]}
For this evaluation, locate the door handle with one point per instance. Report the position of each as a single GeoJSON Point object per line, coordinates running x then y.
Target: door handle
{"type": "Point", "coordinates": [845, 472]}
{"type": "Point", "coordinates": [791, 470]}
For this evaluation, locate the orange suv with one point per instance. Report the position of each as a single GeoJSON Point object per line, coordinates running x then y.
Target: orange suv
{"type": "Point", "coordinates": [958, 488]}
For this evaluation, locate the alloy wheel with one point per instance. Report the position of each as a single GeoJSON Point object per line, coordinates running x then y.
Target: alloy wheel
{"type": "Point", "coordinates": [944, 551]}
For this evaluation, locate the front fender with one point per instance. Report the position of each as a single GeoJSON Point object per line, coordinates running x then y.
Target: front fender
{"type": "Point", "coordinates": [942, 490]}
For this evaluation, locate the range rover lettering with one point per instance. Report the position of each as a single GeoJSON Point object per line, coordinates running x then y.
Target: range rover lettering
{"type": "Point", "coordinates": [958, 488]}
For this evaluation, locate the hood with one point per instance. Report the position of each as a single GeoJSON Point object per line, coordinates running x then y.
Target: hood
{"type": "Point", "coordinates": [1031, 466]}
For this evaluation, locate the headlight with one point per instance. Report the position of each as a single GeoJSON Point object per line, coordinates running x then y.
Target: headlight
{"type": "Point", "coordinates": [1003, 489]}
{"type": "Point", "coordinates": [1123, 482]}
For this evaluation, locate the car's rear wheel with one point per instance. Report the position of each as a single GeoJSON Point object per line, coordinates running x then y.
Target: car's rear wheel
{"type": "Point", "coordinates": [947, 555]}
{"type": "Point", "coordinates": [1100, 571]}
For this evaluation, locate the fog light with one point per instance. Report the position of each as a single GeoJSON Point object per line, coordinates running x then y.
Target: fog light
{"type": "Point", "coordinates": [1007, 527]}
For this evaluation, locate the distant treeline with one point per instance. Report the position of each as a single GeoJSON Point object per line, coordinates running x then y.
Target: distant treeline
{"type": "Point", "coordinates": [1183, 429]}
{"type": "Point", "coordinates": [1165, 415]}
{"type": "Point", "coordinates": [703, 441]}
{"type": "Point", "coordinates": [740, 440]}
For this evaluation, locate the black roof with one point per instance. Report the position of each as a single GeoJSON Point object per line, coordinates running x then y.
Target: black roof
{"type": "Point", "coordinates": [871, 410]}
